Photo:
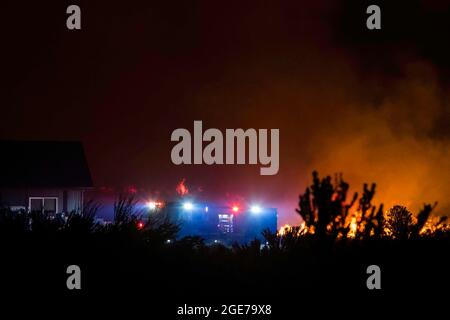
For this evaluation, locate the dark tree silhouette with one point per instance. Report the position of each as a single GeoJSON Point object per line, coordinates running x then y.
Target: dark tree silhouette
{"type": "Point", "coordinates": [324, 207]}
{"type": "Point", "coordinates": [399, 222]}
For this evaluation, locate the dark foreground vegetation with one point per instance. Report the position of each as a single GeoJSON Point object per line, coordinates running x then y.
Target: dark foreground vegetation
{"type": "Point", "coordinates": [320, 262]}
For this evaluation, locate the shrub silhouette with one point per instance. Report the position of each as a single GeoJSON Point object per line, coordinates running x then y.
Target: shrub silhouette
{"type": "Point", "coordinates": [125, 214]}
{"type": "Point", "coordinates": [323, 206]}
{"type": "Point", "coordinates": [325, 209]}
{"type": "Point", "coordinates": [83, 222]}
{"type": "Point", "coordinates": [326, 212]}
{"type": "Point", "coordinates": [13, 223]}
{"type": "Point", "coordinates": [352, 230]}
{"type": "Point", "coordinates": [399, 222]}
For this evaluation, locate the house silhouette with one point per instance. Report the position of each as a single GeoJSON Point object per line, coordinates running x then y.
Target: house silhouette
{"type": "Point", "coordinates": [46, 176]}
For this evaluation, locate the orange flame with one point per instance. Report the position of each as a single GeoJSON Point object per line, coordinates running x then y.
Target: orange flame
{"type": "Point", "coordinates": [181, 189]}
{"type": "Point", "coordinates": [284, 229]}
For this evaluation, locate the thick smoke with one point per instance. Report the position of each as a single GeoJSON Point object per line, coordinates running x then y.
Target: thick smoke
{"type": "Point", "coordinates": [375, 110]}
{"type": "Point", "coordinates": [371, 128]}
{"type": "Point", "coordinates": [374, 106]}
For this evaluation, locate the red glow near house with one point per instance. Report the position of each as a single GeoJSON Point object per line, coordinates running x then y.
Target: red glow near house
{"type": "Point", "coordinates": [181, 189]}
{"type": "Point", "coordinates": [140, 225]}
{"type": "Point", "coordinates": [131, 190]}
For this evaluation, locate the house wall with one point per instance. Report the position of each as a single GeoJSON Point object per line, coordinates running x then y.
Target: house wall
{"type": "Point", "coordinates": [68, 200]}
{"type": "Point", "coordinates": [74, 200]}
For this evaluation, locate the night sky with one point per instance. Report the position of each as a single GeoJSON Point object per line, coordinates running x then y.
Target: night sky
{"type": "Point", "coordinates": [371, 104]}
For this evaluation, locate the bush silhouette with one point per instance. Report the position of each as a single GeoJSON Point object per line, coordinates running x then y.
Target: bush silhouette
{"type": "Point", "coordinates": [341, 235]}
{"type": "Point", "coordinates": [326, 211]}
{"type": "Point", "coordinates": [399, 222]}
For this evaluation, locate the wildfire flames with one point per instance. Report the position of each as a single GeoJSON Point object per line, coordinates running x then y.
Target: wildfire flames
{"type": "Point", "coordinates": [356, 224]}
{"type": "Point", "coordinates": [284, 229]}
{"type": "Point", "coordinates": [181, 188]}
{"type": "Point", "coordinates": [353, 227]}
{"type": "Point", "coordinates": [298, 230]}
